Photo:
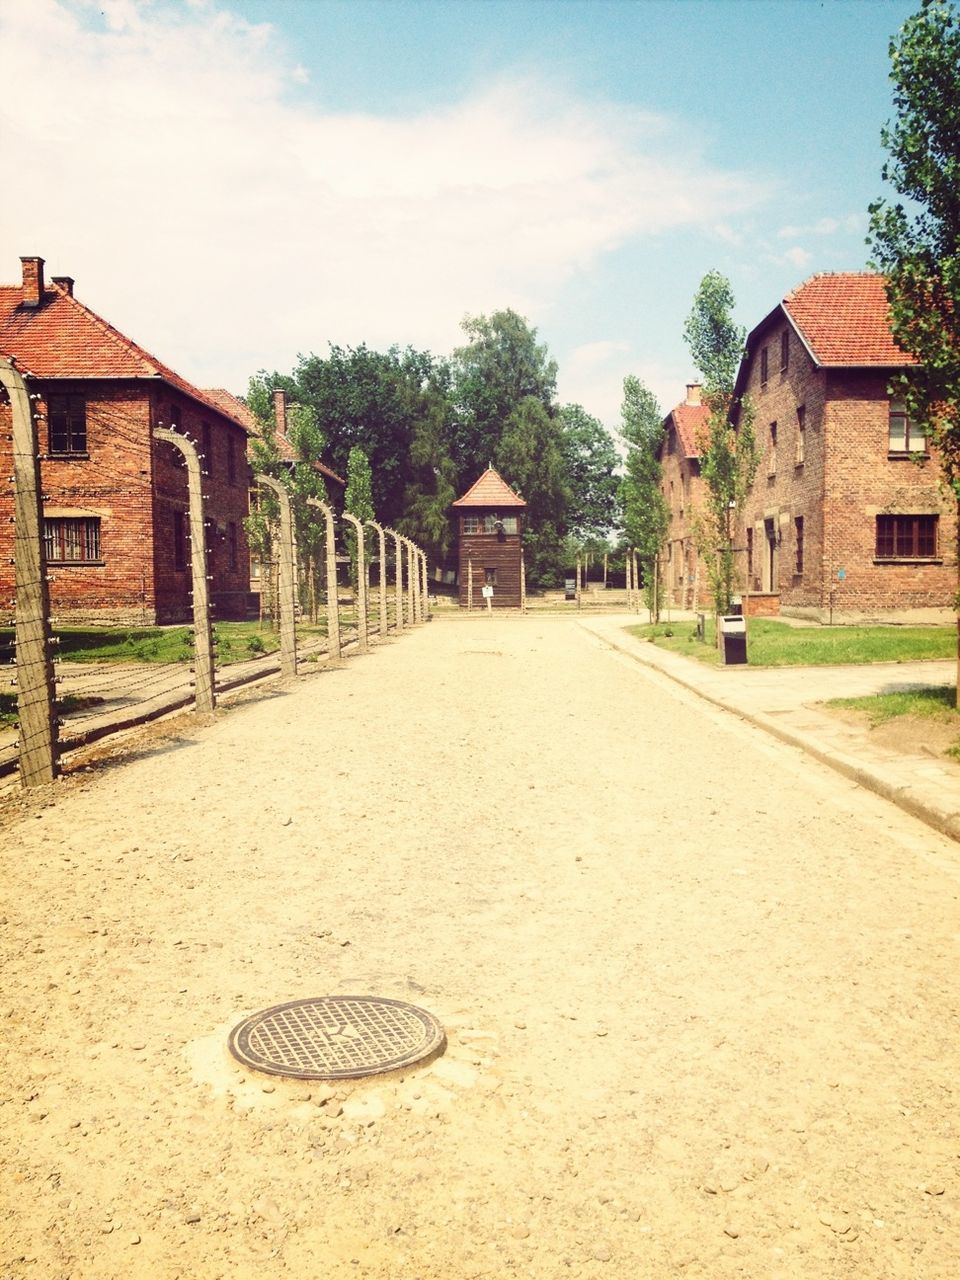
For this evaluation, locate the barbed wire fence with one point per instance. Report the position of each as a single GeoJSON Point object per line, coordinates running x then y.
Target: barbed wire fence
{"type": "Point", "coordinates": [62, 705]}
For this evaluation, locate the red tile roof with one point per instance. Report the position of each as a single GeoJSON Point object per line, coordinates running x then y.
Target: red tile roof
{"type": "Point", "coordinates": [62, 338]}
{"type": "Point", "coordinates": [843, 318]}
{"type": "Point", "coordinates": [491, 490]}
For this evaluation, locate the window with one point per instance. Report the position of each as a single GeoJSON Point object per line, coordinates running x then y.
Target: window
{"type": "Point", "coordinates": [206, 448]}
{"type": "Point", "coordinates": [905, 436]}
{"type": "Point", "coordinates": [785, 351]}
{"type": "Point", "coordinates": [175, 417]}
{"type": "Point", "coordinates": [798, 546]}
{"type": "Point", "coordinates": [763, 366]}
{"type": "Point", "coordinates": [471, 524]}
{"type": "Point", "coordinates": [232, 545]}
{"type": "Point", "coordinates": [750, 552]}
{"type": "Point", "coordinates": [490, 523]}
{"type": "Point", "coordinates": [179, 540]}
{"type": "Point", "coordinates": [231, 459]}
{"type": "Point", "coordinates": [67, 424]}
{"type": "Point", "coordinates": [907, 537]}
{"type": "Point", "coordinates": [72, 541]}
{"type": "Point", "coordinates": [510, 524]}
{"type": "Point", "coordinates": [801, 435]}
{"type": "Point", "coordinates": [772, 451]}
{"type": "Point", "coordinates": [489, 577]}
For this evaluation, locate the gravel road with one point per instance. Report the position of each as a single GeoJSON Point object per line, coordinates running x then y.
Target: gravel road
{"type": "Point", "coordinates": [700, 993]}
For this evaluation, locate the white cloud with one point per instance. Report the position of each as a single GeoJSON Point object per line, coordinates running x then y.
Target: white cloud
{"type": "Point", "coordinates": [850, 224]}
{"type": "Point", "coordinates": [797, 257]}
{"type": "Point", "coordinates": [161, 160]}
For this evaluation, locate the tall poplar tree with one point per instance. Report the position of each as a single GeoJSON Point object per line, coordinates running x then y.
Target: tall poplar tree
{"type": "Point", "coordinates": [917, 244]}
{"type": "Point", "coordinates": [728, 453]}
{"type": "Point", "coordinates": [645, 514]}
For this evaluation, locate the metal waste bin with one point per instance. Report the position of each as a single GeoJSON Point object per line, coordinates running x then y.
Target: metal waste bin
{"type": "Point", "coordinates": [733, 640]}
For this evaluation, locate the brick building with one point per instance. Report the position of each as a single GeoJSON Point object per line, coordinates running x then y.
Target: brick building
{"type": "Point", "coordinates": [679, 455]}
{"type": "Point", "coordinates": [847, 518]}
{"type": "Point", "coordinates": [490, 528]}
{"type": "Point", "coordinates": [115, 500]}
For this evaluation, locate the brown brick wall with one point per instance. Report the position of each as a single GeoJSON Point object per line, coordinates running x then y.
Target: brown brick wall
{"type": "Point", "coordinates": [845, 480]}
{"type": "Point", "coordinates": [683, 489]}
{"type": "Point", "coordinates": [132, 485]}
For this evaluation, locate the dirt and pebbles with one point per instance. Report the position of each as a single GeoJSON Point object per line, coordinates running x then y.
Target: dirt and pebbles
{"type": "Point", "coordinates": [700, 994]}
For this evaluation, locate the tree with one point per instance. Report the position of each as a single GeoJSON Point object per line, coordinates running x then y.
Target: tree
{"type": "Point", "coordinates": [591, 464]}
{"type": "Point", "coordinates": [501, 365]}
{"type": "Point", "coordinates": [728, 453]}
{"type": "Point", "coordinates": [645, 514]}
{"type": "Point", "coordinates": [917, 246]}
{"type": "Point", "coordinates": [530, 458]}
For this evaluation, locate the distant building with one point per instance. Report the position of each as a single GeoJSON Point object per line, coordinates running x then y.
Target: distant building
{"type": "Point", "coordinates": [684, 580]}
{"type": "Point", "coordinates": [490, 529]}
{"type": "Point", "coordinates": [115, 508]}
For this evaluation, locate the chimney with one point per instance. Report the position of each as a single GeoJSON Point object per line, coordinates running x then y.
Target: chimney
{"type": "Point", "coordinates": [280, 411]}
{"type": "Point", "coordinates": [32, 281]}
{"type": "Point", "coordinates": [65, 283]}
{"type": "Point", "coordinates": [693, 394]}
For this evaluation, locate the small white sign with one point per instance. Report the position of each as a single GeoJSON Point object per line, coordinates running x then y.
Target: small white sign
{"type": "Point", "coordinates": [487, 593]}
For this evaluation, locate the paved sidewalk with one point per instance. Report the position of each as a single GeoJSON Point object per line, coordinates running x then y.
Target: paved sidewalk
{"type": "Point", "coordinates": [783, 700]}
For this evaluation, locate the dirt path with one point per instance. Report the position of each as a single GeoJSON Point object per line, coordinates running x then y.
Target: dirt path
{"type": "Point", "coordinates": [700, 994]}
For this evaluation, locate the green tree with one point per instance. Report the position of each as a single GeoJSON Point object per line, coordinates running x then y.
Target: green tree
{"type": "Point", "coordinates": [530, 458]}
{"type": "Point", "coordinates": [379, 402]}
{"type": "Point", "coordinates": [728, 448]}
{"type": "Point", "coordinates": [501, 365]}
{"type": "Point", "coordinates": [917, 245]}
{"type": "Point", "coordinates": [592, 465]}
{"type": "Point", "coordinates": [645, 514]}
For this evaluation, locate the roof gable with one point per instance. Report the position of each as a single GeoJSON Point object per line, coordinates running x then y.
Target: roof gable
{"type": "Point", "coordinates": [63, 338]}
{"type": "Point", "coordinates": [491, 490]}
{"type": "Point", "coordinates": [689, 420]}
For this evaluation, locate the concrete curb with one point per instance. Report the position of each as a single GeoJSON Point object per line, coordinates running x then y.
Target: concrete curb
{"type": "Point", "coordinates": [871, 778]}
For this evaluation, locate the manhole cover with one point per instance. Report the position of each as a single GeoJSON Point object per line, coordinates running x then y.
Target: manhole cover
{"type": "Point", "coordinates": [336, 1037]}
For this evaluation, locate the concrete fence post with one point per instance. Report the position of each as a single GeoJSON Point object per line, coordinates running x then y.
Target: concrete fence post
{"type": "Point", "coordinates": [425, 595]}
{"type": "Point", "coordinates": [36, 706]}
{"type": "Point", "coordinates": [204, 695]}
{"type": "Point", "coordinates": [288, 627]}
{"type": "Point", "coordinates": [411, 584]}
{"type": "Point", "coordinates": [360, 604]}
{"type": "Point", "coordinates": [523, 584]}
{"type": "Point", "coordinates": [382, 592]}
{"type": "Point", "coordinates": [469, 585]}
{"type": "Point", "coordinates": [397, 580]}
{"type": "Point", "coordinates": [577, 580]}
{"type": "Point", "coordinates": [333, 594]}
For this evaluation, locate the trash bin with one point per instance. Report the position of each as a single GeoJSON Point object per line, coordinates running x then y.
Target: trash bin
{"type": "Point", "coordinates": [569, 588]}
{"type": "Point", "coordinates": [733, 640]}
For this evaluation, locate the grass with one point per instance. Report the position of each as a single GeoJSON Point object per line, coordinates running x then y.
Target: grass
{"type": "Point", "coordinates": [937, 703]}
{"type": "Point", "coordinates": [776, 644]}
{"type": "Point", "coordinates": [235, 641]}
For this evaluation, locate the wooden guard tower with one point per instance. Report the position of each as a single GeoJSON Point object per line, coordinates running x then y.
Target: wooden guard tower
{"type": "Point", "coordinates": [490, 525]}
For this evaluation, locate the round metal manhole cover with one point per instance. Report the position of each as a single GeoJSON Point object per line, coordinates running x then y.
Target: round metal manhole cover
{"type": "Point", "coordinates": [336, 1037]}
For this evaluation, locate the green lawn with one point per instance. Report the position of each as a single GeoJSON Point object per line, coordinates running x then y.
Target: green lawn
{"type": "Point", "coordinates": [776, 644]}
{"type": "Point", "coordinates": [234, 641]}
{"type": "Point", "coordinates": [938, 703]}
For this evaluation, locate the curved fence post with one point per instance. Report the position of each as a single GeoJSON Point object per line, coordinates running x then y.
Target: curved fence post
{"type": "Point", "coordinates": [36, 704]}
{"type": "Point", "coordinates": [360, 603]}
{"type": "Point", "coordinates": [333, 602]}
{"type": "Point", "coordinates": [204, 696]}
{"type": "Point", "coordinates": [382, 593]}
{"type": "Point", "coordinates": [288, 628]}
{"type": "Point", "coordinates": [426, 585]}
{"type": "Point", "coordinates": [411, 583]}
{"type": "Point", "coordinates": [397, 578]}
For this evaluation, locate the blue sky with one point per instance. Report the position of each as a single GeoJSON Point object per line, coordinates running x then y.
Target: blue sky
{"type": "Point", "coordinates": [235, 181]}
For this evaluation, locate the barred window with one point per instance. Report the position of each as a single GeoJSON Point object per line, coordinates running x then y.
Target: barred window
{"type": "Point", "coordinates": [798, 546]}
{"type": "Point", "coordinates": [68, 541]}
{"type": "Point", "coordinates": [907, 537]}
{"type": "Point", "coordinates": [471, 524]}
{"type": "Point", "coordinates": [68, 424]}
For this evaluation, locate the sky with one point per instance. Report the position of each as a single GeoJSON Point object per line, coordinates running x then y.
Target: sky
{"type": "Point", "coordinates": [235, 182]}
